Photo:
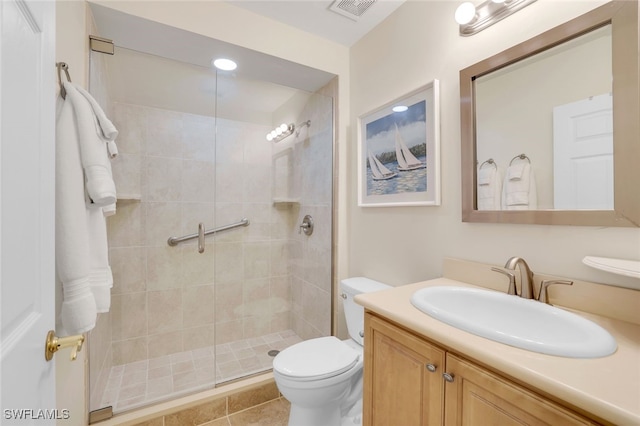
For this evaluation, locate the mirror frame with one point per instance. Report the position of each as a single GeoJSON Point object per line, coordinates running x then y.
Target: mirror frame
{"type": "Point", "coordinates": [623, 17]}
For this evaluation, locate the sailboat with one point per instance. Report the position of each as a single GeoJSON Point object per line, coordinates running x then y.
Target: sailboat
{"type": "Point", "coordinates": [406, 160]}
{"type": "Point", "coordinates": [378, 170]}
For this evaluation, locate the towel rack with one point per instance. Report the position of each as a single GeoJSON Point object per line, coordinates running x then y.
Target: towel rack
{"type": "Point", "coordinates": [521, 157]}
{"type": "Point", "coordinates": [490, 161]}
{"type": "Point", "coordinates": [174, 241]}
{"type": "Point", "coordinates": [62, 66]}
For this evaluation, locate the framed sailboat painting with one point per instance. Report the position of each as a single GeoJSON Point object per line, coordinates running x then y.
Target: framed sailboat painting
{"type": "Point", "coordinates": [399, 151]}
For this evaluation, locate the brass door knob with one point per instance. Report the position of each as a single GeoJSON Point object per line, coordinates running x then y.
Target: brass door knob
{"type": "Point", "coordinates": [54, 343]}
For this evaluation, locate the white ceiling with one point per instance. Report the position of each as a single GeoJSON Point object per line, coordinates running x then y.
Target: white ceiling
{"type": "Point", "coordinates": [314, 16]}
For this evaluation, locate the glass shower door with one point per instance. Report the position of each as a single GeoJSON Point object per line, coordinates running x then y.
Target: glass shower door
{"type": "Point", "coordinates": [272, 283]}
{"type": "Point", "coordinates": [157, 341]}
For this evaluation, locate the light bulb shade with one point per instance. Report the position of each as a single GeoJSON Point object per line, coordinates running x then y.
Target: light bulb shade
{"type": "Point", "coordinates": [269, 137]}
{"type": "Point", "coordinates": [465, 13]}
{"type": "Point", "coordinates": [278, 131]}
{"type": "Point", "coordinates": [284, 127]}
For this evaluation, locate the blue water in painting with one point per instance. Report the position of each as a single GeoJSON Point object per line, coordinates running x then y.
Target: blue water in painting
{"type": "Point", "coordinates": [410, 181]}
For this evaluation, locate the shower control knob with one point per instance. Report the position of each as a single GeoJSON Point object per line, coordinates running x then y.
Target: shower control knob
{"type": "Point", "coordinates": [307, 225]}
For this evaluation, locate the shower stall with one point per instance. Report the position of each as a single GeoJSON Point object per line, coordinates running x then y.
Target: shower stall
{"type": "Point", "coordinates": [245, 277]}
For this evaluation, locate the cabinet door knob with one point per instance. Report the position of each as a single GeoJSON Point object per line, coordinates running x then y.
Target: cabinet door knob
{"type": "Point", "coordinates": [431, 368]}
{"type": "Point", "coordinates": [448, 377]}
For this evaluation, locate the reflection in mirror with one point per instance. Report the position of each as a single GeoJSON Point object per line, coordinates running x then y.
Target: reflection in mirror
{"type": "Point", "coordinates": [550, 126]}
{"type": "Point", "coordinates": [533, 107]}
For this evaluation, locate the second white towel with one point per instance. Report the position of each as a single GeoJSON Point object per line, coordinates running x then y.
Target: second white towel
{"type": "Point", "coordinates": [519, 188]}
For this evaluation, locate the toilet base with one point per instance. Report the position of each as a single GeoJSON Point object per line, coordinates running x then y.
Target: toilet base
{"type": "Point", "coordinates": [354, 416]}
{"type": "Point", "coordinates": [302, 416]}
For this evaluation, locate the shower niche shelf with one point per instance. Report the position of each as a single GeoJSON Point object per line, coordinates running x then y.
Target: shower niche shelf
{"type": "Point", "coordinates": [128, 198]}
{"type": "Point", "coordinates": [286, 202]}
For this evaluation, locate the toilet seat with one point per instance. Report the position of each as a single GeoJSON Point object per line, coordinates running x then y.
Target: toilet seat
{"type": "Point", "coordinates": [315, 359]}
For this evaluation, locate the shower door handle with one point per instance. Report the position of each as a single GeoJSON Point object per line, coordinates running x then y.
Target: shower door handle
{"type": "Point", "coordinates": [201, 237]}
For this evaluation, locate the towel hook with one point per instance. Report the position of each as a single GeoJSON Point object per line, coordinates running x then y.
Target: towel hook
{"type": "Point", "coordinates": [521, 157]}
{"type": "Point", "coordinates": [62, 66]}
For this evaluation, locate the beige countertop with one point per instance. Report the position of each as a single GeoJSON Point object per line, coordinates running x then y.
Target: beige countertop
{"type": "Point", "coordinates": [607, 387]}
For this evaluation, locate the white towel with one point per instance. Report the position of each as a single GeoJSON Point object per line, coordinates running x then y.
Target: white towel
{"type": "Point", "coordinates": [100, 278]}
{"type": "Point", "coordinates": [78, 311]}
{"type": "Point", "coordinates": [108, 133]}
{"type": "Point", "coordinates": [83, 171]}
{"type": "Point", "coordinates": [519, 188]}
{"type": "Point", "coordinates": [489, 188]}
{"type": "Point", "coordinates": [93, 147]}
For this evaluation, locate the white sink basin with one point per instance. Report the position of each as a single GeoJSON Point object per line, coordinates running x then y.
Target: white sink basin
{"type": "Point", "coordinates": [523, 323]}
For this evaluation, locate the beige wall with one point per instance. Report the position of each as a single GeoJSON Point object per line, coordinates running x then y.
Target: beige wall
{"type": "Point", "coordinates": [418, 43]}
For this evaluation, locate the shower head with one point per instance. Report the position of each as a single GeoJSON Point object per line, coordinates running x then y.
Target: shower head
{"type": "Point", "coordinates": [301, 125]}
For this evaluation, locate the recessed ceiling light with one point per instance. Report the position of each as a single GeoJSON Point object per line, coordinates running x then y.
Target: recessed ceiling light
{"type": "Point", "coordinates": [224, 64]}
{"type": "Point", "coordinates": [399, 108]}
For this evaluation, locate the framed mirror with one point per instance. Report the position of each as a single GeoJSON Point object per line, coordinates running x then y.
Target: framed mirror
{"type": "Point", "coordinates": [550, 128]}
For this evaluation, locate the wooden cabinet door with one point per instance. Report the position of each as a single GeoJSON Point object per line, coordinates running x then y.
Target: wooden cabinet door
{"type": "Point", "coordinates": [399, 388]}
{"type": "Point", "coordinates": [477, 397]}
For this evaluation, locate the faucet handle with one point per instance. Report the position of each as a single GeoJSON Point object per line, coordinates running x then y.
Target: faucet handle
{"type": "Point", "coordinates": [512, 280]}
{"type": "Point", "coordinates": [543, 296]}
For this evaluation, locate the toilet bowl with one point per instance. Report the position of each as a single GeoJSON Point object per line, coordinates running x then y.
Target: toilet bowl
{"type": "Point", "coordinates": [322, 377]}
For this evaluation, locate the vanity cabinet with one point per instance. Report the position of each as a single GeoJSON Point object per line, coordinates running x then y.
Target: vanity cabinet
{"type": "Point", "coordinates": [476, 396]}
{"type": "Point", "coordinates": [404, 384]}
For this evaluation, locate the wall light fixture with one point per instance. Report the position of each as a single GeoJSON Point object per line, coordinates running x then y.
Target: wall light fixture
{"type": "Point", "coordinates": [280, 132]}
{"type": "Point", "coordinates": [284, 130]}
{"type": "Point", "coordinates": [473, 19]}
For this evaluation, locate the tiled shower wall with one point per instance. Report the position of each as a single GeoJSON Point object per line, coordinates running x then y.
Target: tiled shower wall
{"type": "Point", "coordinates": [163, 297]}
{"type": "Point", "coordinates": [311, 256]}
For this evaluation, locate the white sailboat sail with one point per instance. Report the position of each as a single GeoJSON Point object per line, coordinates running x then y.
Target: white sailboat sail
{"type": "Point", "coordinates": [406, 160]}
{"type": "Point", "coordinates": [378, 170]}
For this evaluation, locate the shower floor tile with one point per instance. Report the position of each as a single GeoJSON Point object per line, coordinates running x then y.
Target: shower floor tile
{"type": "Point", "coordinates": [143, 382]}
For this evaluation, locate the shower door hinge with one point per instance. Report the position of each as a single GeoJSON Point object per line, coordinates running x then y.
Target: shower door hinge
{"type": "Point", "coordinates": [102, 45]}
{"type": "Point", "coordinates": [96, 416]}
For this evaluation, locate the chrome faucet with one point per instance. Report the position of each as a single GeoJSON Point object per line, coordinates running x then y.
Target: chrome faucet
{"type": "Point", "coordinates": [526, 276]}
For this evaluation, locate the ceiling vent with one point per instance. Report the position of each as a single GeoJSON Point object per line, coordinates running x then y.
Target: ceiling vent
{"type": "Point", "coordinates": [352, 9]}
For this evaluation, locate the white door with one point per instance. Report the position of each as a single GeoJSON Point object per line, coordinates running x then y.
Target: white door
{"type": "Point", "coordinates": [583, 154]}
{"type": "Point", "coordinates": [27, 222]}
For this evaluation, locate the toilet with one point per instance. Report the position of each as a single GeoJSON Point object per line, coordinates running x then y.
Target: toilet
{"type": "Point", "coordinates": [322, 377]}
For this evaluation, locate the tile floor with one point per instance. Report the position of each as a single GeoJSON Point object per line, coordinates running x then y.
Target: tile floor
{"type": "Point", "coordinates": [140, 383]}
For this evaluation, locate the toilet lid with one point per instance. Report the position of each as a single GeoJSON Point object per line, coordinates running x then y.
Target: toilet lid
{"type": "Point", "coordinates": [315, 359]}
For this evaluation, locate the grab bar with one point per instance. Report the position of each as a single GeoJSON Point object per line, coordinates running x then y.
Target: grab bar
{"type": "Point", "coordinates": [174, 241]}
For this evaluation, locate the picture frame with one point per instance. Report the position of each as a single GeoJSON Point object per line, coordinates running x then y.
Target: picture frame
{"type": "Point", "coordinates": [399, 151]}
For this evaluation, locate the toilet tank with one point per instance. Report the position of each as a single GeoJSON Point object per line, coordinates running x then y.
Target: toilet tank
{"type": "Point", "coordinates": [353, 312]}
